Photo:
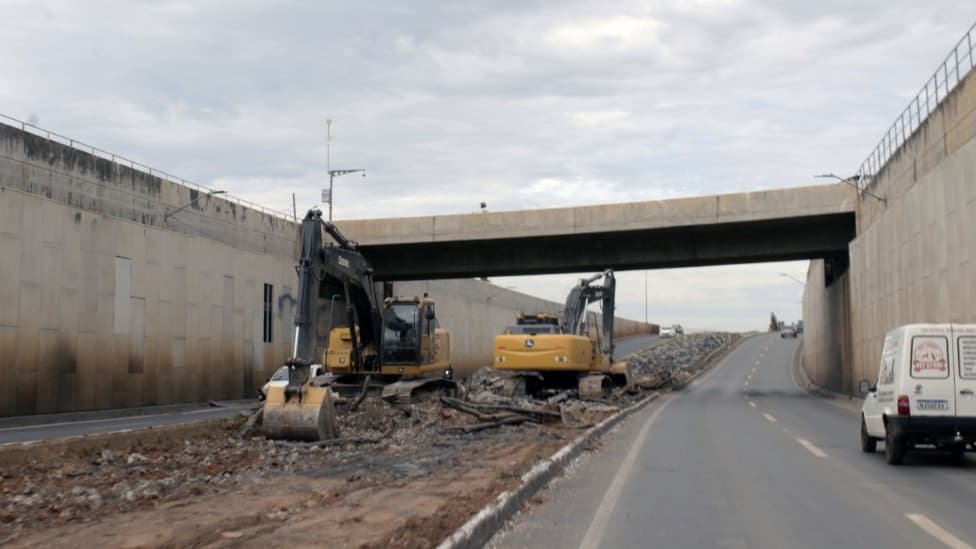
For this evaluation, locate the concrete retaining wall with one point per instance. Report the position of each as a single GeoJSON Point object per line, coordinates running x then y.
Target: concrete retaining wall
{"type": "Point", "coordinates": [826, 327]}
{"type": "Point", "coordinates": [913, 260]}
{"type": "Point", "coordinates": [105, 304]}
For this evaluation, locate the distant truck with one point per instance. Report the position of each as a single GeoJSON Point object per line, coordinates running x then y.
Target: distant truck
{"type": "Point", "coordinates": [925, 393]}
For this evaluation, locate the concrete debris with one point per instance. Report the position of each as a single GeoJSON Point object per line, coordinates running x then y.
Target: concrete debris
{"type": "Point", "coordinates": [379, 443]}
{"type": "Point", "coordinates": [674, 361]}
{"type": "Point", "coordinates": [580, 414]}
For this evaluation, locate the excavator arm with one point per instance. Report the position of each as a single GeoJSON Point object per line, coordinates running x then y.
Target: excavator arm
{"type": "Point", "coordinates": [302, 410]}
{"type": "Point", "coordinates": [580, 297]}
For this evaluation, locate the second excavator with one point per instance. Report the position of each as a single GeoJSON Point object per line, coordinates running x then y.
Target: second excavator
{"type": "Point", "coordinates": [395, 343]}
{"type": "Point", "coordinates": [543, 353]}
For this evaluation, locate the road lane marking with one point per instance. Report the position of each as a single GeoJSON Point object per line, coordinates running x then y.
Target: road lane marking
{"type": "Point", "coordinates": [937, 531]}
{"type": "Point", "coordinates": [757, 363]}
{"type": "Point", "coordinates": [753, 370]}
{"type": "Point", "coordinates": [813, 449]}
{"type": "Point", "coordinates": [594, 535]}
{"type": "Point", "coordinates": [746, 384]}
{"type": "Point", "coordinates": [753, 404]}
{"type": "Point", "coordinates": [120, 419]}
{"type": "Point", "coordinates": [770, 418]}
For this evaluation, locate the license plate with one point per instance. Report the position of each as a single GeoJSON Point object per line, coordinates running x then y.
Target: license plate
{"type": "Point", "coordinates": [928, 404]}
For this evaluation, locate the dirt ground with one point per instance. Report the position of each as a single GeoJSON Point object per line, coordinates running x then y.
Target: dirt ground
{"type": "Point", "coordinates": [202, 487]}
{"type": "Point", "coordinates": [412, 475]}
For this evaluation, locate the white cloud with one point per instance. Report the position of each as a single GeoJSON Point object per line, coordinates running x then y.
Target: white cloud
{"type": "Point", "coordinates": [519, 104]}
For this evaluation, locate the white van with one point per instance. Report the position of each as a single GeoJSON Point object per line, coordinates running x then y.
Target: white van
{"type": "Point", "coordinates": [924, 394]}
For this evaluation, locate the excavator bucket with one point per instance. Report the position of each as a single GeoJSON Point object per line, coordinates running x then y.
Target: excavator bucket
{"type": "Point", "coordinates": [308, 415]}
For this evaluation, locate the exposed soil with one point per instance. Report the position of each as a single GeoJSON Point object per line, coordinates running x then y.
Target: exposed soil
{"type": "Point", "coordinates": [201, 487]}
{"type": "Point", "coordinates": [411, 477]}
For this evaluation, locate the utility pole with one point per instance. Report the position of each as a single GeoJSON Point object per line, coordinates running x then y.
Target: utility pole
{"type": "Point", "coordinates": [328, 144]}
{"type": "Point", "coordinates": [645, 298]}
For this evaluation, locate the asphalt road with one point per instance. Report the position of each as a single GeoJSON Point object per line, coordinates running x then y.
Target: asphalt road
{"type": "Point", "coordinates": [624, 347]}
{"type": "Point", "coordinates": [70, 426]}
{"type": "Point", "coordinates": [745, 458]}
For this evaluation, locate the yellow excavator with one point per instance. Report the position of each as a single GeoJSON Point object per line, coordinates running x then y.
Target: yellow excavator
{"type": "Point", "coordinates": [395, 344]}
{"type": "Point", "coordinates": [542, 353]}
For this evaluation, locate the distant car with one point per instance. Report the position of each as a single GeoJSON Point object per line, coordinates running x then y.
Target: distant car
{"type": "Point", "coordinates": [678, 330]}
{"type": "Point", "coordinates": [280, 379]}
{"type": "Point", "coordinates": [799, 326]}
{"type": "Point", "coordinates": [667, 331]}
{"type": "Point", "coordinates": [788, 331]}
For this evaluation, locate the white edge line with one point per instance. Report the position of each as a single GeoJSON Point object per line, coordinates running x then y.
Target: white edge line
{"type": "Point", "coordinates": [770, 418]}
{"type": "Point", "coordinates": [594, 534]}
{"type": "Point", "coordinates": [937, 531]}
{"type": "Point", "coordinates": [753, 404]}
{"type": "Point", "coordinates": [813, 449]}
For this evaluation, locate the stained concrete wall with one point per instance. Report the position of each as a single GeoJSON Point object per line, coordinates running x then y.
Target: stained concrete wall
{"type": "Point", "coordinates": [99, 312]}
{"type": "Point", "coordinates": [106, 304]}
{"type": "Point", "coordinates": [826, 327]}
{"type": "Point", "coordinates": [914, 259]}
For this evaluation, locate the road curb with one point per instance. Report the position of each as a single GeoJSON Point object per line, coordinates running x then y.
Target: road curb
{"type": "Point", "coordinates": [483, 525]}
{"type": "Point", "coordinates": [804, 382]}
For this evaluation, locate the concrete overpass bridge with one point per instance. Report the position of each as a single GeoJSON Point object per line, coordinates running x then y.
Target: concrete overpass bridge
{"type": "Point", "coordinates": [815, 222]}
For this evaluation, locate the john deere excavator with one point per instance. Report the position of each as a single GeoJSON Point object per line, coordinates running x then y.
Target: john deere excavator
{"type": "Point", "coordinates": [396, 344]}
{"type": "Point", "coordinates": [543, 353]}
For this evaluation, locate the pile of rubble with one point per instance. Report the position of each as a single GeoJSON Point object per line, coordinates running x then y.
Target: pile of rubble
{"type": "Point", "coordinates": [378, 441]}
{"type": "Point", "coordinates": [676, 360]}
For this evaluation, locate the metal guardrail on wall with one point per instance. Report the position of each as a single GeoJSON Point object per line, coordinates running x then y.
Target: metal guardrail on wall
{"type": "Point", "coordinates": [953, 69]}
{"type": "Point", "coordinates": [121, 160]}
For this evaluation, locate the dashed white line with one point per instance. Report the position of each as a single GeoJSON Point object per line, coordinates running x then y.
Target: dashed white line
{"type": "Point", "coordinates": [770, 418]}
{"type": "Point", "coordinates": [937, 531]}
{"type": "Point", "coordinates": [753, 404]}
{"type": "Point", "coordinates": [754, 370]}
{"type": "Point", "coordinates": [746, 384]}
{"type": "Point", "coordinates": [813, 449]}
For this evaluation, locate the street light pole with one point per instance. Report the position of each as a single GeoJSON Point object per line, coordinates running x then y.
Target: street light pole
{"type": "Point", "coordinates": [332, 175]}
{"type": "Point", "coordinates": [854, 181]}
{"type": "Point", "coordinates": [645, 298]}
{"type": "Point", "coordinates": [794, 279]}
{"type": "Point", "coordinates": [192, 202]}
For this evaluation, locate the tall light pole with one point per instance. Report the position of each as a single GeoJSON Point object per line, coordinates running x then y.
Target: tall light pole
{"type": "Point", "coordinates": [645, 298]}
{"type": "Point", "coordinates": [332, 175]}
{"type": "Point", "coordinates": [328, 144]}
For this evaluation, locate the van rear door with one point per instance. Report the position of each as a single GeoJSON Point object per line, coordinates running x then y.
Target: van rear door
{"type": "Point", "coordinates": [931, 381]}
{"type": "Point", "coordinates": [964, 336]}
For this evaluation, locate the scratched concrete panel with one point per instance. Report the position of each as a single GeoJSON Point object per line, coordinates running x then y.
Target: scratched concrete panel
{"type": "Point", "coordinates": [9, 279]}
{"type": "Point", "coordinates": [8, 369]}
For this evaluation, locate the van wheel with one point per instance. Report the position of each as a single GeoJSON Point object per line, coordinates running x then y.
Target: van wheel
{"type": "Point", "coordinates": [868, 445]}
{"type": "Point", "coordinates": [894, 449]}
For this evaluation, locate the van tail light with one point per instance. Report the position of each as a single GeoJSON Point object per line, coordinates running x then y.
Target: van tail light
{"type": "Point", "coordinates": [903, 407]}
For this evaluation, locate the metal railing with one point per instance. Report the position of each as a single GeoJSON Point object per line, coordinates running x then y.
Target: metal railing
{"type": "Point", "coordinates": [953, 69]}
{"type": "Point", "coordinates": [123, 161]}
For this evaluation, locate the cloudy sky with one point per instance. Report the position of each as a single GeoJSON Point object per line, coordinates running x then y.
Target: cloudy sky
{"type": "Point", "coordinates": [521, 104]}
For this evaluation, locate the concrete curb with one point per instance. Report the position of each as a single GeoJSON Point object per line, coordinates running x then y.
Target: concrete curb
{"type": "Point", "coordinates": [481, 527]}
